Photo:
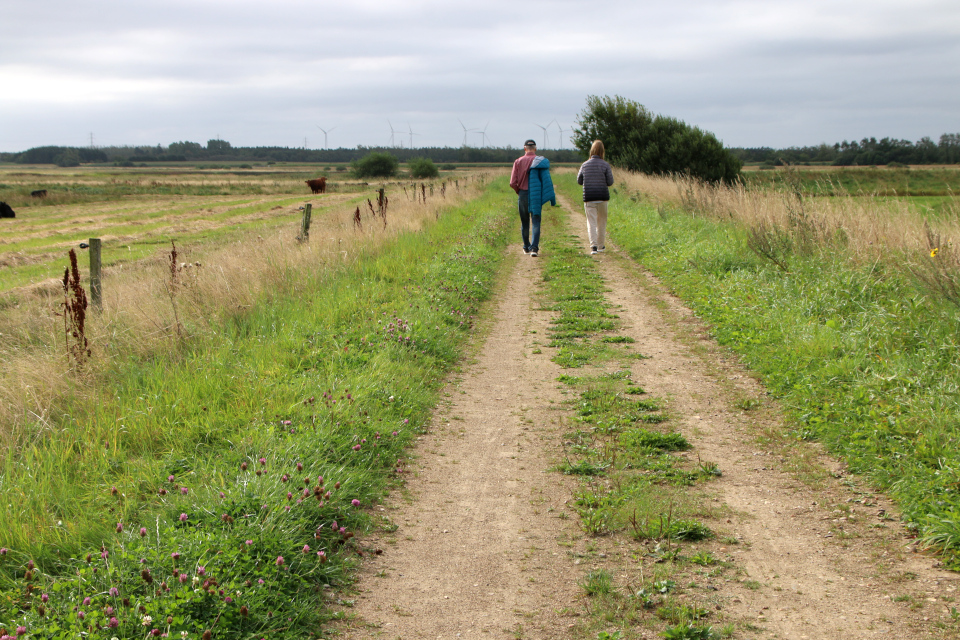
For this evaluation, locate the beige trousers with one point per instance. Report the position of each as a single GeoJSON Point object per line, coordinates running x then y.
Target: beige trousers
{"type": "Point", "coordinates": [596, 222]}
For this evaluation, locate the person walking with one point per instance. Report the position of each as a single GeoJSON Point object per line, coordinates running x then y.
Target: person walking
{"type": "Point", "coordinates": [596, 176]}
{"type": "Point", "coordinates": [531, 180]}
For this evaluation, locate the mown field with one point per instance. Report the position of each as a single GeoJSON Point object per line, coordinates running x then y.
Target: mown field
{"type": "Point", "coordinates": [137, 211]}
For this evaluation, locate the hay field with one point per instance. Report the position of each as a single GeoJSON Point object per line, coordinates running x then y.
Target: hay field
{"type": "Point", "coordinates": [137, 211]}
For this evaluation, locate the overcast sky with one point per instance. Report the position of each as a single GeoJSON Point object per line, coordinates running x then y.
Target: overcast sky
{"type": "Point", "coordinates": [754, 72]}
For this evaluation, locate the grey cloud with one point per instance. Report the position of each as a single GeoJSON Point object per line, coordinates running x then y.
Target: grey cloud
{"type": "Point", "coordinates": [754, 72]}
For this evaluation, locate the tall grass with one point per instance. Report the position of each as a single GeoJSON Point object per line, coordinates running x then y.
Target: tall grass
{"type": "Point", "coordinates": [865, 228]}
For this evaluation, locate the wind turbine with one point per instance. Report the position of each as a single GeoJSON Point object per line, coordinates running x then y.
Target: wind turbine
{"type": "Point", "coordinates": [325, 132]}
{"type": "Point", "coordinates": [392, 132]}
{"type": "Point", "coordinates": [546, 136]}
{"type": "Point", "coordinates": [412, 133]}
{"type": "Point", "coordinates": [483, 134]}
{"type": "Point", "coordinates": [561, 133]}
{"type": "Point", "coordinates": [465, 131]}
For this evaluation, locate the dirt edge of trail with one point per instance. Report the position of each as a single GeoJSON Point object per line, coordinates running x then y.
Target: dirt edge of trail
{"type": "Point", "coordinates": [482, 542]}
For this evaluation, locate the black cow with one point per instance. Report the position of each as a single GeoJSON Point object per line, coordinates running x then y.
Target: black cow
{"type": "Point", "coordinates": [39, 193]}
{"type": "Point", "coordinates": [6, 211]}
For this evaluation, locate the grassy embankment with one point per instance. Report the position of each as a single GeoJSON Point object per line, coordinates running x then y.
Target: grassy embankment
{"type": "Point", "coordinates": [846, 307]}
{"type": "Point", "coordinates": [636, 488]}
{"type": "Point", "coordinates": [206, 470]}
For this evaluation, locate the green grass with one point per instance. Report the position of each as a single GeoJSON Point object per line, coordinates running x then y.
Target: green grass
{"type": "Point", "coordinates": [267, 431]}
{"type": "Point", "coordinates": [860, 357]}
{"type": "Point", "coordinates": [845, 181]}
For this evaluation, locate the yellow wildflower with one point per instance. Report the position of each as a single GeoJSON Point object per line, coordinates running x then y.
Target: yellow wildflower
{"type": "Point", "coordinates": [934, 252]}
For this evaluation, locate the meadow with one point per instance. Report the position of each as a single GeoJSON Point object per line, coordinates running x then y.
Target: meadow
{"type": "Point", "coordinates": [136, 211]}
{"type": "Point", "coordinates": [202, 455]}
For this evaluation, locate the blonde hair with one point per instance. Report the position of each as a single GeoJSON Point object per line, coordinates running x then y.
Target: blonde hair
{"type": "Point", "coordinates": [596, 149]}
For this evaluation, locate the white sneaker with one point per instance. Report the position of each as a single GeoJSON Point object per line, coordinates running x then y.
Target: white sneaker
{"type": "Point", "coordinates": [601, 249]}
{"type": "Point", "coordinates": [533, 254]}
{"type": "Point", "coordinates": [593, 251]}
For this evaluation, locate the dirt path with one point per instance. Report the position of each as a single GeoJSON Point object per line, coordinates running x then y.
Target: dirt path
{"type": "Point", "coordinates": [486, 546]}
{"type": "Point", "coordinates": [476, 553]}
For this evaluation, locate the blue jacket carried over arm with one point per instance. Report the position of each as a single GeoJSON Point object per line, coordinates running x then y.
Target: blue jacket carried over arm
{"type": "Point", "coordinates": [541, 186]}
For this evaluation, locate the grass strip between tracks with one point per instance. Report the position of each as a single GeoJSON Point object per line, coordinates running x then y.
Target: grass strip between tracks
{"type": "Point", "coordinates": [635, 486]}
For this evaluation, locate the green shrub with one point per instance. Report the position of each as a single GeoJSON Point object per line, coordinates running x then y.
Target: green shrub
{"type": "Point", "coordinates": [637, 140]}
{"type": "Point", "coordinates": [69, 158]}
{"type": "Point", "coordinates": [375, 165]}
{"type": "Point", "coordinates": [423, 168]}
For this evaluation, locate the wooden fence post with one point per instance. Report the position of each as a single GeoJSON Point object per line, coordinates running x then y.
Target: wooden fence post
{"type": "Point", "coordinates": [96, 287]}
{"type": "Point", "coordinates": [305, 224]}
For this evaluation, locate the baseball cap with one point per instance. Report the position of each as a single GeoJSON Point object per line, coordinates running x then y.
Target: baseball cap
{"type": "Point", "coordinates": [530, 143]}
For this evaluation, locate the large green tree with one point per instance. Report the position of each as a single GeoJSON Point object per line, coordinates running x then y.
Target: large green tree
{"type": "Point", "coordinates": [639, 141]}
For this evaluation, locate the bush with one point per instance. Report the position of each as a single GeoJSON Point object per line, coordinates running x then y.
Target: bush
{"type": "Point", "coordinates": [448, 167]}
{"type": "Point", "coordinates": [639, 141]}
{"type": "Point", "coordinates": [69, 158]}
{"type": "Point", "coordinates": [422, 168]}
{"type": "Point", "coordinates": [375, 165]}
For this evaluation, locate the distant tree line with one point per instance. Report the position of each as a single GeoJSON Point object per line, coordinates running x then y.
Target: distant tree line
{"type": "Point", "coordinates": [867, 152]}
{"type": "Point", "coordinates": [223, 151]}
{"type": "Point", "coordinates": [62, 156]}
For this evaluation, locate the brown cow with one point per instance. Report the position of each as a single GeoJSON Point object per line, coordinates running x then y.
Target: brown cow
{"type": "Point", "coordinates": [319, 185]}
